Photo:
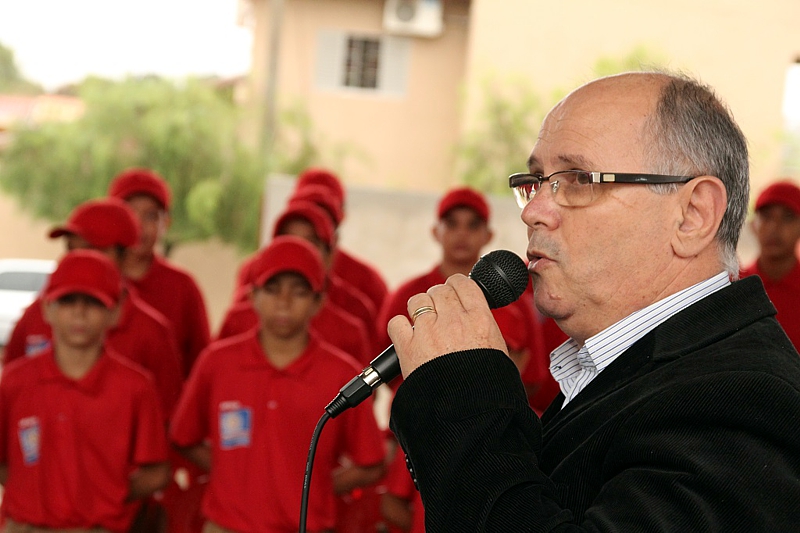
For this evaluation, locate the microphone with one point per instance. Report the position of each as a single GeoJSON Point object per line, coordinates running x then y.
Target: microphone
{"type": "Point", "coordinates": [501, 275]}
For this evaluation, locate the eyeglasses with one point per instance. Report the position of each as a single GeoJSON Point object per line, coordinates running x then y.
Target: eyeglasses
{"type": "Point", "coordinates": [576, 188]}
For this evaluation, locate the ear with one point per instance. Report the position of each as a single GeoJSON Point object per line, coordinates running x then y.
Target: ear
{"type": "Point", "coordinates": [436, 232]}
{"type": "Point", "coordinates": [251, 292]}
{"type": "Point", "coordinates": [489, 236]}
{"type": "Point", "coordinates": [47, 311]}
{"type": "Point", "coordinates": [116, 313]}
{"type": "Point", "coordinates": [702, 202]}
{"type": "Point", "coordinates": [318, 301]}
{"type": "Point", "coordinates": [166, 222]}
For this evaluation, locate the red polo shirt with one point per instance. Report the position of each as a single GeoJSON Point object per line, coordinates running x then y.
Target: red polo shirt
{"type": "Point", "coordinates": [399, 484]}
{"type": "Point", "coordinates": [70, 445]}
{"type": "Point", "coordinates": [785, 296]}
{"type": "Point", "coordinates": [360, 275]}
{"type": "Point", "coordinates": [174, 293]}
{"type": "Point", "coordinates": [141, 335]}
{"type": "Point", "coordinates": [259, 421]}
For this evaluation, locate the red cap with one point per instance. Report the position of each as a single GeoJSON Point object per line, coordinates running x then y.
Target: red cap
{"type": "Point", "coordinates": [103, 223]}
{"type": "Point", "coordinates": [323, 197]}
{"type": "Point", "coordinates": [85, 272]}
{"type": "Point", "coordinates": [288, 253]}
{"type": "Point", "coordinates": [464, 197]}
{"type": "Point", "coordinates": [140, 181]}
{"type": "Point", "coordinates": [320, 176]}
{"type": "Point", "coordinates": [783, 193]}
{"type": "Point", "coordinates": [323, 225]}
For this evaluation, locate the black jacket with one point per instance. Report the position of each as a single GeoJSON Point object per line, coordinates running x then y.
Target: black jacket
{"type": "Point", "coordinates": [693, 428]}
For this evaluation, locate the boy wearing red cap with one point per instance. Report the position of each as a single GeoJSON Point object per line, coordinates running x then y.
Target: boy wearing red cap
{"type": "Point", "coordinates": [81, 432]}
{"type": "Point", "coordinates": [777, 227]}
{"type": "Point", "coordinates": [142, 334]}
{"type": "Point", "coordinates": [345, 315]}
{"type": "Point", "coordinates": [251, 404]}
{"type": "Point", "coordinates": [323, 188]}
{"type": "Point", "coordinates": [169, 289]}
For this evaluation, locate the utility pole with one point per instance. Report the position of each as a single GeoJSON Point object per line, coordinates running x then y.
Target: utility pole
{"type": "Point", "coordinates": [269, 121]}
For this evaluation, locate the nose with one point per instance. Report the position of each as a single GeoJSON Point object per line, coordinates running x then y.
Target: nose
{"type": "Point", "coordinates": [542, 210]}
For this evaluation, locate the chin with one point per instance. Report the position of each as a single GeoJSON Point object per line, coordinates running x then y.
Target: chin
{"type": "Point", "coordinates": [549, 305]}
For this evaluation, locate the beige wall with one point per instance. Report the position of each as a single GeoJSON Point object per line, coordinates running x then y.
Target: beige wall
{"type": "Point", "coordinates": [741, 48]}
{"type": "Point", "coordinates": [401, 142]}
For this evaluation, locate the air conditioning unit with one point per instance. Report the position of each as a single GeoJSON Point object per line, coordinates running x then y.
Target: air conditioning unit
{"type": "Point", "coordinates": [422, 18]}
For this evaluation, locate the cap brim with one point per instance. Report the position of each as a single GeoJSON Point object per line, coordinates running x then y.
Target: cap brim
{"type": "Point", "coordinates": [60, 232]}
{"type": "Point", "coordinates": [99, 295]}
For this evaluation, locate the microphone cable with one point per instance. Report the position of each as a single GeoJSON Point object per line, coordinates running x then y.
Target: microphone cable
{"type": "Point", "coordinates": [312, 450]}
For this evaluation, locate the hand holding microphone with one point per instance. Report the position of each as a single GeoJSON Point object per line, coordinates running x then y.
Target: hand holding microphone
{"type": "Point", "coordinates": [462, 322]}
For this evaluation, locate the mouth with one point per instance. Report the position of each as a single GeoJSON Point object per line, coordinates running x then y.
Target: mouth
{"type": "Point", "coordinates": [536, 260]}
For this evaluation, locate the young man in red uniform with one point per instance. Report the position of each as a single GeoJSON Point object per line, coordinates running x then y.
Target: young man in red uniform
{"type": "Point", "coordinates": [322, 187]}
{"type": "Point", "coordinates": [141, 334]}
{"type": "Point", "coordinates": [344, 316]}
{"type": "Point", "coordinates": [251, 404]}
{"type": "Point", "coordinates": [169, 289]}
{"type": "Point", "coordinates": [462, 230]}
{"type": "Point", "coordinates": [174, 293]}
{"type": "Point", "coordinates": [81, 431]}
{"type": "Point", "coordinates": [777, 227]}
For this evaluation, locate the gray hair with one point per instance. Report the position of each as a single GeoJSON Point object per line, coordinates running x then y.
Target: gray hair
{"type": "Point", "coordinates": [694, 134]}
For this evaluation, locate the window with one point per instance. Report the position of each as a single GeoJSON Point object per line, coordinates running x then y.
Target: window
{"type": "Point", "coordinates": [361, 68]}
{"type": "Point", "coordinates": [376, 64]}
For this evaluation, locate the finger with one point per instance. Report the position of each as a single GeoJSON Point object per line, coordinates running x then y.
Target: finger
{"type": "Point", "coordinates": [399, 329]}
{"type": "Point", "coordinates": [401, 332]}
{"type": "Point", "coordinates": [417, 302]}
{"type": "Point", "coordinates": [468, 292]}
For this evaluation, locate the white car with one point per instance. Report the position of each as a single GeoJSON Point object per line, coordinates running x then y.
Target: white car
{"type": "Point", "coordinates": [20, 283]}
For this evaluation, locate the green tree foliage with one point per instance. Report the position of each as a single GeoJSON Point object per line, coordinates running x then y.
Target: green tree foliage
{"type": "Point", "coordinates": [185, 131]}
{"type": "Point", "coordinates": [508, 124]}
{"type": "Point", "coordinates": [11, 80]}
{"type": "Point", "coordinates": [498, 146]}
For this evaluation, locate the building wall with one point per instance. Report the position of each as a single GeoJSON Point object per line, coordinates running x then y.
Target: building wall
{"type": "Point", "coordinates": [740, 48]}
{"type": "Point", "coordinates": [399, 141]}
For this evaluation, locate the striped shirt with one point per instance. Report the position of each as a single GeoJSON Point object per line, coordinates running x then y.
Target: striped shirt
{"type": "Point", "coordinates": [574, 367]}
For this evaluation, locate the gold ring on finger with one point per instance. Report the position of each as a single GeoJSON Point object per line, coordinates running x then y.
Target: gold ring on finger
{"type": "Point", "coordinates": [421, 311]}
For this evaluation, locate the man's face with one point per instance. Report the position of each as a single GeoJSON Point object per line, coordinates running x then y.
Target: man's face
{"type": "Point", "coordinates": [594, 265]}
{"type": "Point", "coordinates": [462, 234]}
{"type": "Point", "coordinates": [153, 220]}
{"type": "Point", "coordinates": [78, 320]}
{"type": "Point", "coordinates": [778, 229]}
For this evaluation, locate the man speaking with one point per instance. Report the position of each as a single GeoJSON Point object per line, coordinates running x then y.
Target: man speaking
{"type": "Point", "coordinates": [679, 390]}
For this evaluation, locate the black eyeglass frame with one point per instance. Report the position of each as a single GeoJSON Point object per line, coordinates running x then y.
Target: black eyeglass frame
{"type": "Point", "coordinates": [524, 178]}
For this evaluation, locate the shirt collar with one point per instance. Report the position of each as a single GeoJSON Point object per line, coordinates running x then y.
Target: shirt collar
{"type": "Point", "coordinates": [602, 349]}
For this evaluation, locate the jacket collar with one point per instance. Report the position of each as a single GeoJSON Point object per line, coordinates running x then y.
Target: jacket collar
{"type": "Point", "coordinates": [703, 323]}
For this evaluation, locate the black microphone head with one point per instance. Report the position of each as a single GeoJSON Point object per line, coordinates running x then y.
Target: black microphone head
{"type": "Point", "coordinates": [502, 276]}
